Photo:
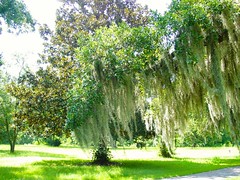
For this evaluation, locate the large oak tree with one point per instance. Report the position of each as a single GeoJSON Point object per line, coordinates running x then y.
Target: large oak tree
{"type": "Point", "coordinates": [44, 95]}
{"type": "Point", "coordinates": [188, 62]}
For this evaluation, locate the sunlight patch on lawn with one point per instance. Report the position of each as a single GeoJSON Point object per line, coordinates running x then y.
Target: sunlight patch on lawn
{"type": "Point", "coordinates": [18, 161]}
{"type": "Point", "coordinates": [207, 152]}
{"type": "Point", "coordinates": [74, 152]}
{"type": "Point", "coordinates": [132, 154]}
{"type": "Point", "coordinates": [235, 178]}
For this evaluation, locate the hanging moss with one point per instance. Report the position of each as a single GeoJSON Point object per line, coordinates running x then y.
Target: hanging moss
{"type": "Point", "coordinates": [206, 54]}
{"type": "Point", "coordinates": [123, 67]}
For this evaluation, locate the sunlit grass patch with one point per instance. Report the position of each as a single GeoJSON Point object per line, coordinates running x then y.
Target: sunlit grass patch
{"type": "Point", "coordinates": [126, 169]}
{"type": "Point", "coordinates": [207, 152]}
{"type": "Point", "coordinates": [174, 167]}
{"type": "Point", "coordinates": [18, 161]}
{"type": "Point", "coordinates": [43, 162]}
{"type": "Point", "coordinates": [234, 178]}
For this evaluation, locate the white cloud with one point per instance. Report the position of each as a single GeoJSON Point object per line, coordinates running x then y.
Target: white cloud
{"type": "Point", "coordinates": [44, 11]}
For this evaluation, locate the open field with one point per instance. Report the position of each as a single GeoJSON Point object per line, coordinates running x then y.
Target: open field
{"type": "Point", "coordinates": [43, 162]}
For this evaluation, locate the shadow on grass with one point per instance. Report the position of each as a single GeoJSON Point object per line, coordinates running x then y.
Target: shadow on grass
{"type": "Point", "coordinates": [127, 169]}
{"type": "Point", "coordinates": [11, 172]}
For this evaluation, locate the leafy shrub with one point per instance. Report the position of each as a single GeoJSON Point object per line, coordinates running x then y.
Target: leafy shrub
{"type": "Point", "coordinates": [102, 155]}
{"type": "Point", "coordinates": [53, 142]}
{"type": "Point", "coordinates": [26, 138]}
{"type": "Point", "coordinates": [140, 142]}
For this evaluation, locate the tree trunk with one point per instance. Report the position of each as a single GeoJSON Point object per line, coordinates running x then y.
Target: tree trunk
{"type": "Point", "coordinates": [165, 151]}
{"type": "Point", "coordinates": [12, 147]}
{"type": "Point", "coordinates": [12, 142]}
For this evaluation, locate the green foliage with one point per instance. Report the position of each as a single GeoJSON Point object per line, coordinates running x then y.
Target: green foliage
{"type": "Point", "coordinates": [101, 70]}
{"type": "Point", "coordinates": [1, 60]}
{"type": "Point", "coordinates": [201, 133]}
{"type": "Point", "coordinates": [141, 136]}
{"type": "Point", "coordinates": [10, 125]}
{"type": "Point", "coordinates": [25, 137]}
{"type": "Point", "coordinates": [178, 63]}
{"type": "Point", "coordinates": [45, 95]}
{"type": "Point", "coordinates": [89, 15]}
{"type": "Point", "coordinates": [102, 155]}
{"type": "Point", "coordinates": [16, 15]}
{"type": "Point", "coordinates": [112, 63]}
{"type": "Point", "coordinates": [140, 142]}
{"type": "Point", "coordinates": [53, 141]}
{"type": "Point", "coordinates": [201, 36]}
{"type": "Point", "coordinates": [42, 101]}
{"type": "Point", "coordinates": [3, 135]}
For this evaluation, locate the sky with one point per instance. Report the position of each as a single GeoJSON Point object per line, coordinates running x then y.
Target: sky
{"type": "Point", "coordinates": [27, 46]}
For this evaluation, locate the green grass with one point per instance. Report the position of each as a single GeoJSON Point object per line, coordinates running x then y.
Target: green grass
{"type": "Point", "coordinates": [71, 163]}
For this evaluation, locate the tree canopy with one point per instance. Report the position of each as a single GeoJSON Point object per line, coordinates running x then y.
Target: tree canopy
{"type": "Point", "coordinates": [15, 14]}
{"type": "Point", "coordinates": [112, 75]}
{"type": "Point", "coordinates": [102, 69]}
{"type": "Point", "coordinates": [204, 36]}
{"type": "Point", "coordinates": [39, 93]}
{"type": "Point", "coordinates": [188, 61]}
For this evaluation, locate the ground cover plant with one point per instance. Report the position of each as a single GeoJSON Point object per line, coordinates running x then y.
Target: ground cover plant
{"type": "Point", "coordinates": [43, 162]}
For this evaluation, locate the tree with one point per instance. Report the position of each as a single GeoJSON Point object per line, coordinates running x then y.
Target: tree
{"type": "Point", "coordinates": [205, 59]}
{"type": "Point", "coordinates": [116, 65]}
{"type": "Point", "coordinates": [42, 99]}
{"type": "Point", "coordinates": [72, 19]}
{"type": "Point", "coordinates": [15, 15]}
{"type": "Point", "coordinates": [122, 67]}
{"type": "Point", "coordinates": [81, 17]}
{"type": "Point", "coordinates": [186, 61]}
{"type": "Point", "coordinates": [9, 122]}
{"type": "Point", "coordinates": [11, 116]}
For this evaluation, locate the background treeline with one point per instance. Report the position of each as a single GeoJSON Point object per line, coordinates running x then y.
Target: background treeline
{"type": "Point", "coordinates": [193, 137]}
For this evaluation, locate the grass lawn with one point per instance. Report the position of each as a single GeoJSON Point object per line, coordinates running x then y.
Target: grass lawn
{"type": "Point", "coordinates": [43, 162]}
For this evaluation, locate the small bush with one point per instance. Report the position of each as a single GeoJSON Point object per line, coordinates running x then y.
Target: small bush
{"type": "Point", "coordinates": [102, 155]}
{"type": "Point", "coordinates": [140, 142]}
{"type": "Point", "coordinates": [228, 144]}
{"type": "Point", "coordinates": [53, 142]}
